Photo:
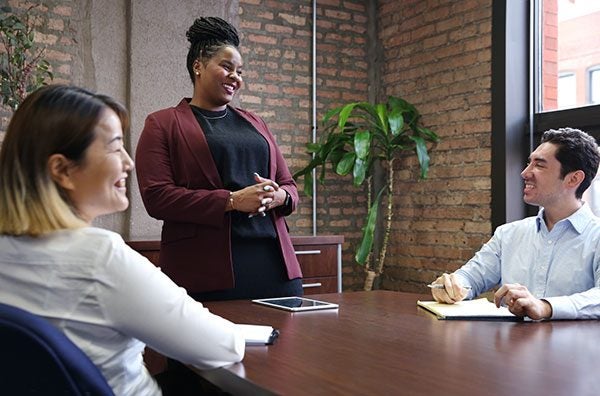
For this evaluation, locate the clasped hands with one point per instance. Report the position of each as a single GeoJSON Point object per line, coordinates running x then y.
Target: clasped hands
{"type": "Point", "coordinates": [514, 296]}
{"type": "Point", "coordinates": [258, 198]}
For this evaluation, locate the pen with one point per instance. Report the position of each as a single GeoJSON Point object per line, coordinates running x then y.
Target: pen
{"type": "Point", "coordinates": [441, 286]}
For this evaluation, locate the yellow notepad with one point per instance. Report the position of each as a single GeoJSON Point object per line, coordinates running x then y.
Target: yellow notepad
{"type": "Point", "coordinates": [479, 309]}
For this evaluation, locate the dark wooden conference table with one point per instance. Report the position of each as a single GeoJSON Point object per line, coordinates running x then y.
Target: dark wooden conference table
{"type": "Point", "coordinates": [381, 343]}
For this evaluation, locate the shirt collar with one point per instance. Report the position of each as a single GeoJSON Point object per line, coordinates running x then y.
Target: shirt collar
{"type": "Point", "coordinates": [578, 220]}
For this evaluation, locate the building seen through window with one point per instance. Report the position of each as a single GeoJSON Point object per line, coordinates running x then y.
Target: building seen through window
{"type": "Point", "coordinates": [568, 69]}
{"type": "Point", "coordinates": [570, 52]}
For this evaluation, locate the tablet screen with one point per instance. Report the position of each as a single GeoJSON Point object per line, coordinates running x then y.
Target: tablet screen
{"type": "Point", "coordinates": [296, 303]}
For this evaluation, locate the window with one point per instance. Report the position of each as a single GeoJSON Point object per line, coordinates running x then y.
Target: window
{"type": "Point", "coordinates": [594, 85]}
{"type": "Point", "coordinates": [567, 51]}
{"type": "Point", "coordinates": [540, 47]}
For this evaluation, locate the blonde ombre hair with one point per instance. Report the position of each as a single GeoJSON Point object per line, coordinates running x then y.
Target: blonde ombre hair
{"type": "Point", "coordinates": [56, 119]}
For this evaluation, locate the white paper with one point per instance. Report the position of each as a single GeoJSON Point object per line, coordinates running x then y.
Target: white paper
{"type": "Point", "coordinates": [256, 334]}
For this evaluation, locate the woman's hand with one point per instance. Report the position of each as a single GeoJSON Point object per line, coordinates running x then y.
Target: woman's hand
{"type": "Point", "coordinates": [258, 198]}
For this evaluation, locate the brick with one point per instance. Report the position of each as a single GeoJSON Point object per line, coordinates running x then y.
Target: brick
{"type": "Point", "coordinates": [278, 29]}
{"type": "Point", "coordinates": [48, 39]}
{"type": "Point", "coordinates": [294, 19]}
{"type": "Point", "coordinates": [63, 10]}
{"type": "Point", "coordinates": [261, 39]}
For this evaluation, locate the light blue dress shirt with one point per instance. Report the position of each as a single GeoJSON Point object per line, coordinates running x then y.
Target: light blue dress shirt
{"type": "Point", "coordinates": [562, 266]}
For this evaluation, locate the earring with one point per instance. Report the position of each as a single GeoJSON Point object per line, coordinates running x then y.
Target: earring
{"type": "Point", "coordinates": [197, 73]}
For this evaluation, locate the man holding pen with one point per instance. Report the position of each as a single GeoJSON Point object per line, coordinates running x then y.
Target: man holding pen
{"type": "Point", "coordinates": [547, 266]}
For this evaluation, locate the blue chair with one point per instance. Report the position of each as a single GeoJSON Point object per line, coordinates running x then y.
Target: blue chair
{"type": "Point", "coordinates": [38, 359]}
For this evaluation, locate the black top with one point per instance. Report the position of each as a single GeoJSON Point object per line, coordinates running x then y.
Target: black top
{"type": "Point", "coordinates": [238, 151]}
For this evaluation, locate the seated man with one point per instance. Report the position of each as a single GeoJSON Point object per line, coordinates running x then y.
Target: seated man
{"type": "Point", "coordinates": [548, 266]}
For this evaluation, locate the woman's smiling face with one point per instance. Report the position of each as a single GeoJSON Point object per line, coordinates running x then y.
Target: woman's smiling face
{"type": "Point", "coordinates": [219, 79]}
{"type": "Point", "coordinates": [98, 183]}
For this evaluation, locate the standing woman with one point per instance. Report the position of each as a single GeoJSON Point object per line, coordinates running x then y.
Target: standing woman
{"type": "Point", "coordinates": [215, 176]}
{"type": "Point", "coordinates": [62, 164]}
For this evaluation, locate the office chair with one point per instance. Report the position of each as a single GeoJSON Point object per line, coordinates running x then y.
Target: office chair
{"type": "Point", "coordinates": [36, 358]}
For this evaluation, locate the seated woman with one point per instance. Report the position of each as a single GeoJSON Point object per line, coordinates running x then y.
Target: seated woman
{"type": "Point", "coordinates": [62, 164]}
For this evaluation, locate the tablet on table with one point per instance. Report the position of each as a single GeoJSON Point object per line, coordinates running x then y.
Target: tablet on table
{"type": "Point", "coordinates": [295, 304]}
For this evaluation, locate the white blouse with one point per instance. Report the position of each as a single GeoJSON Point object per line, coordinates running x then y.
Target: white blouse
{"type": "Point", "coordinates": [111, 302]}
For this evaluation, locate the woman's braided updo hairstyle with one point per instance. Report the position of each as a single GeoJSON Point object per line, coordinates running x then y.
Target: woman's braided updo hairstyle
{"type": "Point", "coordinates": [207, 36]}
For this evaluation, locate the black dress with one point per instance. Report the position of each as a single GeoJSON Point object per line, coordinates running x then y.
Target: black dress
{"type": "Point", "coordinates": [239, 150]}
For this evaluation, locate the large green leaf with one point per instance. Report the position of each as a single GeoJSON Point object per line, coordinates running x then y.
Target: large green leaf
{"type": "Point", "coordinates": [363, 114]}
{"type": "Point", "coordinates": [331, 113]}
{"type": "Point", "coordinates": [344, 114]}
{"type": "Point", "coordinates": [382, 117]}
{"type": "Point", "coordinates": [422, 155]}
{"type": "Point", "coordinates": [396, 121]}
{"type": "Point", "coordinates": [411, 114]}
{"type": "Point", "coordinates": [359, 171]}
{"type": "Point", "coordinates": [366, 244]}
{"type": "Point", "coordinates": [308, 184]}
{"type": "Point", "coordinates": [428, 134]}
{"type": "Point", "coordinates": [346, 164]}
{"type": "Point", "coordinates": [362, 144]}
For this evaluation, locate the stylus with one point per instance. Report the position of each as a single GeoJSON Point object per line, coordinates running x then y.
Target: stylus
{"type": "Point", "coordinates": [441, 286]}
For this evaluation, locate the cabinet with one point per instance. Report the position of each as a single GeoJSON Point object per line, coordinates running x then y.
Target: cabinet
{"type": "Point", "coordinates": [320, 258]}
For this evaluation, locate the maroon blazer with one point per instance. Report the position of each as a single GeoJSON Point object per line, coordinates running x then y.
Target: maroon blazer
{"type": "Point", "coordinates": [180, 185]}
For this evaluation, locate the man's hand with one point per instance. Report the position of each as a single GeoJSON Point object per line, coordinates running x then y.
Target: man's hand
{"type": "Point", "coordinates": [452, 291]}
{"type": "Point", "coordinates": [521, 302]}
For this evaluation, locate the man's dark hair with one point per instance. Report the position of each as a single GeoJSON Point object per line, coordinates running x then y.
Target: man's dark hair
{"type": "Point", "coordinates": [576, 150]}
{"type": "Point", "coordinates": [206, 36]}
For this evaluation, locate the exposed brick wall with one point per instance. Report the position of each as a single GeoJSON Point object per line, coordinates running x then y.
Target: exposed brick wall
{"type": "Point", "coordinates": [55, 33]}
{"type": "Point", "coordinates": [276, 47]}
{"type": "Point", "coordinates": [438, 56]}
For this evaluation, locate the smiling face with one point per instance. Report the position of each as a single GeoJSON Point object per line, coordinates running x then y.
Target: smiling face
{"type": "Point", "coordinates": [218, 79]}
{"type": "Point", "coordinates": [97, 185]}
{"type": "Point", "coordinates": [544, 185]}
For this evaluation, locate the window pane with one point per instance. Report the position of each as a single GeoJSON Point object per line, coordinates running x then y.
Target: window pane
{"type": "Point", "coordinates": [567, 90]}
{"type": "Point", "coordinates": [594, 77]}
{"type": "Point", "coordinates": [570, 35]}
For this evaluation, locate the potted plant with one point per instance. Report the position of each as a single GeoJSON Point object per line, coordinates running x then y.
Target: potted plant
{"type": "Point", "coordinates": [357, 138]}
{"type": "Point", "coordinates": [22, 66]}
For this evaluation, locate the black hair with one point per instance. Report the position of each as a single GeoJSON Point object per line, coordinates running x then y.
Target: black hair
{"type": "Point", "coordinates": [207, 35]}
{"type": "Point", "coordinates": [576, 150]}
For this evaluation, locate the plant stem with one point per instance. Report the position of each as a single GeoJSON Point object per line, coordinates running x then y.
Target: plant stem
{"type": "Point", "coordinates": [369, 198]}
{"type": "Point", "coordinates": [388, 221]}
{"type": "Point", "coordinates": [369, 280]}
{"type": "Point", "coordinates": [372, 274]}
